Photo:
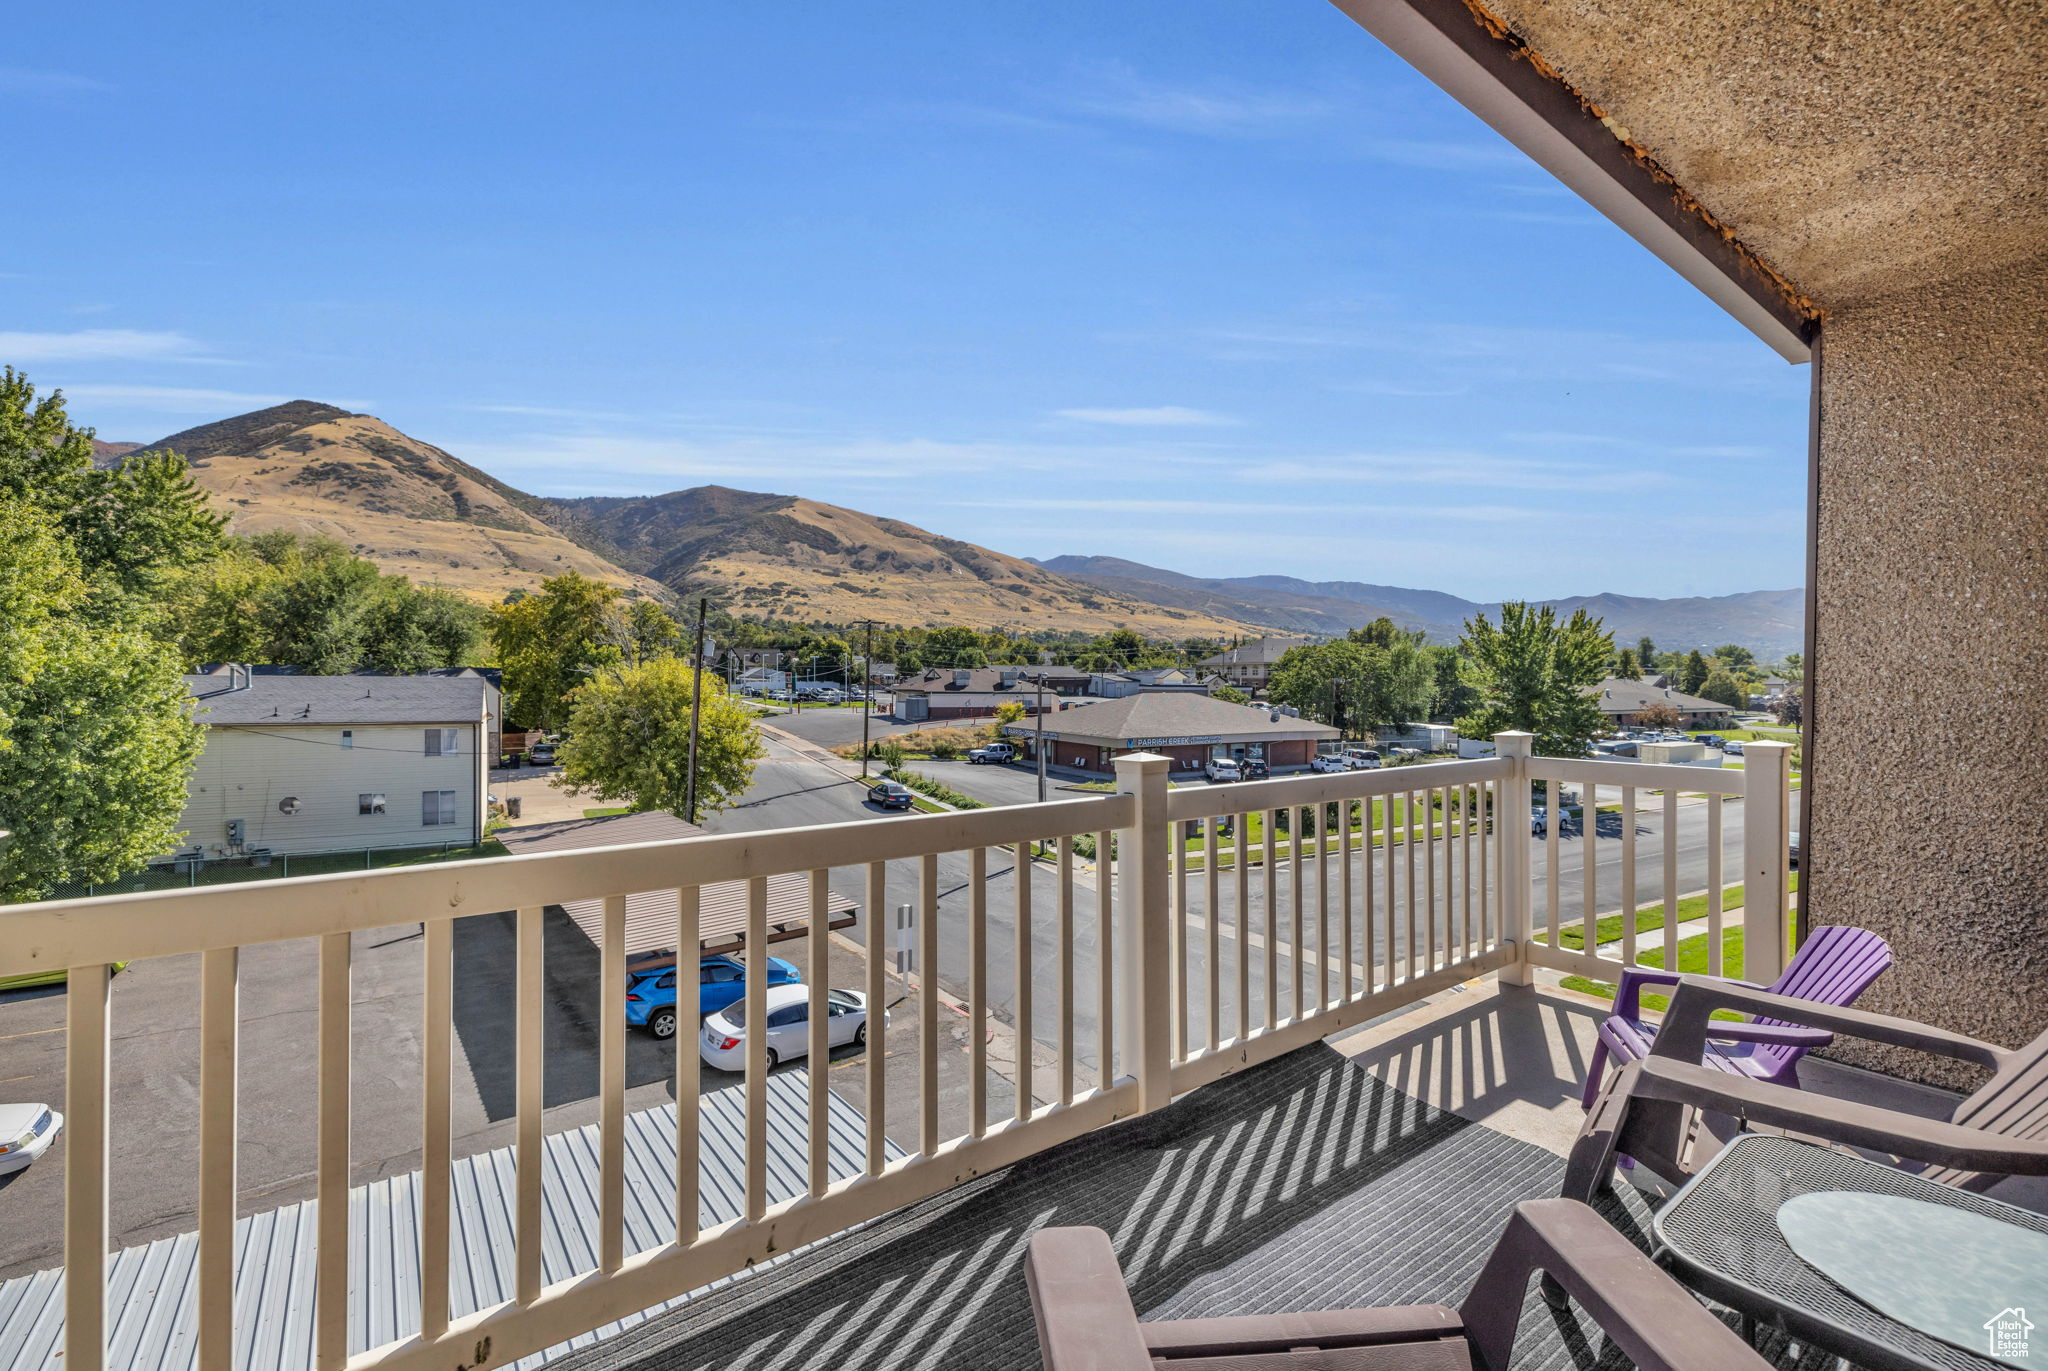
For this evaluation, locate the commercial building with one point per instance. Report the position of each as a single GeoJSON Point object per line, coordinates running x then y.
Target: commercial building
{"type": "Point", "coordinates": [1189, 728]}
{"type": "Point", "coordinates": [977, 692]}
{"type": "Point", "coordinates": [1623, 702]}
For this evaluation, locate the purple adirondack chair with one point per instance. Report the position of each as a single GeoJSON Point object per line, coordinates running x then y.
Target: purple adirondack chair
{"type": "Point", "coordinates": [1833, 966]}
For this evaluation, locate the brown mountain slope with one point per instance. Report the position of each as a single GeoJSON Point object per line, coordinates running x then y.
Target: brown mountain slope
{"type": "Point", "coordinates": [404, 504]}
{"type": "Point", "coordinates": [788, 557]}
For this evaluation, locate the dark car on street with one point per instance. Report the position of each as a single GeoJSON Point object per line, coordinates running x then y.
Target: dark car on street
{"type": "Point", "coordinates": [890, 794]}
{"type": "Point", "coordinates": [1255, 768]}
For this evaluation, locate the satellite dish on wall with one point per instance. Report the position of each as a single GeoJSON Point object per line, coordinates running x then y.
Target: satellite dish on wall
{"type": "Point", "coordinates": [288, 805]}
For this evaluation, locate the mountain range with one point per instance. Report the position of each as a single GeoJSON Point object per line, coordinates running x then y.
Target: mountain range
{"type": "Point", "coordinates": [412, 507]}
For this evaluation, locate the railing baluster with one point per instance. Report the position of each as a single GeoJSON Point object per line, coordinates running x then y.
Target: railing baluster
{"type": "Point", "coordinates": [819, 1049]}
{"type": "Point", "coordinates": [1389, 867]}
{"type": "Point", "coordinates": [1628, 875]}
{"type": "Point", "coordinates": [1105, 962]}
{"type": "Point", "coordinates": [86, 1044]}
{"type": "Point", "coordinates": [1429, 853]}
{"type": "Point", "coordinates": [1714, 879]}
{"type": "Point", "coordinates": [437, 1052]}
{"type": "Point", "coordinates": [755, 998]}
{"type": "Point", "coordinates": [928, 1004]}
{"type": "Point", "coordinates": [219, 1017]}
{"type": "Point", "coordinates": [1066, 972]}
{"type": "Point", "coordinates": [1324, 971]}
{"type": "Point", "coordinates": [1021, 869]}
{"type": "Point", "coordinates": [1468, 811]}
{"type": "Point", "coordinates": [1489, 795]}
{"type": "Point", "coordinates": [1213, 888]}
{"type": "Point", "coordinates": [1368, 949]}
{"type": "Point", "coordinates": [1177, 938]}
{"type": "Point", "coordinates": [1297, 913]}
{"type": "Point", "coordinates": [1348, 990]}
{"type": "Point", "coordinates": [1553, 861]}
{"type": "Point", "coordinates": [879, 949]}
{"type": "Point", "coordinates": [1670, 879]}
{"type": "Point", "coordinates": [530, 1049]}
{"type": "Point", "coordinates": [689, 1002]}
{"type": "Point", "coordinates": [1589, 866]}
{"type": "Point", "coordinates": [1408, 852]}
{"type": "Point", "coordinates": [330, 1280]}
{"type": "Point", "coordinates": [977, 991]}
{"type": "Point", "coordinates": [1241, 865]}
{"type": "Point", "coordinates": [611, 1068]}
{"type": "Point", "coordinates": [1271, 871]}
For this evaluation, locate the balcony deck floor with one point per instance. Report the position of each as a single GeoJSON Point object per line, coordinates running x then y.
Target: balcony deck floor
{"type": "Point", "coordinates": [1309, 1182]}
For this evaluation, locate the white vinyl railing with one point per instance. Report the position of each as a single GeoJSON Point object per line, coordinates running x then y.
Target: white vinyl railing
{"type": "Point", "coordinates": [1215, 948]}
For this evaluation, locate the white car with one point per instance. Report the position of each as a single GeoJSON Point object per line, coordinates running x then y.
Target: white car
{"type": "Point", "coordinates": [1330, 761]}
{"type": "Point", "coordinates": [1732, 748]}
{"type": "Point", "coordinates": [1224, 769]}
{"type": "Point", "coordinates": [26, 1132]}
{"type": "Point", "coordinates": [724, 1041]}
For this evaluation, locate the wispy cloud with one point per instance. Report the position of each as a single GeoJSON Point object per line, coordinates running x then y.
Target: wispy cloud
{"type": "Point", "coordinates": [1293, 509]}
{"type": "Point", "coordinates": [1157, 416]}
{"type": "Point", "coordinates": [1736, 451]}
{"type": "Point", "coordinates": [760, 463]}
{"type": "Point", "coordinates": [1115, 91]}
{"type": "Point", "coordinates": [186, 399]}
{"type": "Point", "coordinates": [1462, 469]}
{"type": "Point", "coordinates": [26, 81]}
{"type": "Point", "coordinates": [99, 344]}
{"type": "Point", "coordinates": [552, 412]}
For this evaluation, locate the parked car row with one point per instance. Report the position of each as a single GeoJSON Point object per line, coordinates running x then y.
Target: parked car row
{"type": "Point", "coordinates": [1223, 769]}
{"type": "Point", "coordinates": [652, 1004]}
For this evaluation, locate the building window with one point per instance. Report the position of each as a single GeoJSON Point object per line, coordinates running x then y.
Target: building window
{"type": "Point", "coordinates": [369, 804]}
{"type": "Point", "coordinates": [348, 737]}
{"type": "Point", "coordinates": [437, 807]}
{"type": "Point", "coordinates": [440, 742]}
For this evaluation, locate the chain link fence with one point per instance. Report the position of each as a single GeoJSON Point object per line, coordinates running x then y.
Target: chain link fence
{"type": "Point", "coordinates": [183, 873]}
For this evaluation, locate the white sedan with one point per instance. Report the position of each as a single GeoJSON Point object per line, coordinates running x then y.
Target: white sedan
{"type": "Point", "coordinates": [26, 1132]}
{"type": "Point", "coordinates": [724, 1043]}
{"type": "Point", "coordinates": [1331, 761]}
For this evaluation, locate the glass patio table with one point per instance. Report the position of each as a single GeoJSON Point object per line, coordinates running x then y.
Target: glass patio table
{"type": "Point", "coordinates": [1862, 1259]}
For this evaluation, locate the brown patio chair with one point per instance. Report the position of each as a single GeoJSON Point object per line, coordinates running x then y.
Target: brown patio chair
{"type": "Point", "coordinates": [1999, 1131]}
{"type": "Point", "coordinates": [1086, 1321]}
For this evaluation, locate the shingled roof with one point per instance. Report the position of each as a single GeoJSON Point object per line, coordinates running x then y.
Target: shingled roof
{"type": "Point", "coordinates": [443, 697]}
{"type": "Point", "coordinates": [1619, 695]}
{"type": "Point", "coordinates": [1155, 716]}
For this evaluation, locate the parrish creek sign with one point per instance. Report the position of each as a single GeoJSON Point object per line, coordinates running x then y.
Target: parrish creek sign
{"type": "Point", "coordinates": [1174, 742]}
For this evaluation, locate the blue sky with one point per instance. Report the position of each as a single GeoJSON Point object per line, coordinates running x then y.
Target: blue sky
{"type": "Point", "coordinates": [1223, 287]}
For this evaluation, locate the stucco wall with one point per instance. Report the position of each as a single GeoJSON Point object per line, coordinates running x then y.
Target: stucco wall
{"type": "Point", "coordinates": [1930, 819]}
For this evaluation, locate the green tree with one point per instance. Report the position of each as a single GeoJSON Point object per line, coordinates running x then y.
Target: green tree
{"type": "Point", "coordinates": [1693, 675]}
{"type": "Point", "coordinates": [1009, 712]}
{"type": "Point", "coordinates": [629, 738]}
{"type": "Point", "coordinates": [552, 642]}
{"type": "Point", "coordinates": [1451, 695]}
{"type": "Point", "coordinates": [127, 528]}
{"type": "Point", "coordinates": [951, 647]}
{"type": "Point", "coordinates": [1230, 694]}
{"type": "Point", "coordinates": [97, 738]}
{"type": "Point", "coordinates": [1735, 656]}
{"type": "Point", "coordinates": [1536, 674]}
{"type": "Point", "coordinates": [1626, 667]}
{"type": "Point", "coordinates": [650, 632]}
{"type": "Point", "coordinates": [1646, 653]}
{"type": "Point", "coordinates": [1723, 688]}
{"type": "Point", "coordinates": [1354, 684]}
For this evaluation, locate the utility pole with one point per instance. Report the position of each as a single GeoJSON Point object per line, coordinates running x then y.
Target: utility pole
{"type": "Point", "coordinates": [1039, 749]}
{"type": "Point", "coordinates": [867, 705]}
{"type": "Point", "coordinates": [696, 711]}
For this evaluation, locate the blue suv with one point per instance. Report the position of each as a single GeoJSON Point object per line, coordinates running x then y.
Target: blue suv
{"type": "Point", "coordinates": [651, 989]}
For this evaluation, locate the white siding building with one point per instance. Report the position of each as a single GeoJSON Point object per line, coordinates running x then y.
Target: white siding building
{"type": "Point", "coordinates": [339, 763]}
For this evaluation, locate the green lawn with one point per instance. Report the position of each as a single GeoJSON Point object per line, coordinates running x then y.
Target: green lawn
{"type": "Point", "coordinates": [1692, 959]}
{"type": "Point", "coordinates": [607, 813]}
{"type": "Point", "coordinates": [1752, 735]}
{"type": "Point", "coordinates": [1650, 918]}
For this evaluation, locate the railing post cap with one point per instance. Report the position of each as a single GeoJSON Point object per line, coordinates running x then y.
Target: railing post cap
{"type": "Point", "coordinates": [1514, 742]}
{"type": "Point", "coordinates": [1144, 762]}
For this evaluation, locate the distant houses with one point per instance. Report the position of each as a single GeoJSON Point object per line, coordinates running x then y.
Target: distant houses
{"type": "Point", "coordinates": [1623, 700]}
{"type": "Point", "coordinates": [296, 763]}
{"type": "Point", "coordinates": [1249, 666]}
{"type": "Point", "coordinates": [1190, 728]}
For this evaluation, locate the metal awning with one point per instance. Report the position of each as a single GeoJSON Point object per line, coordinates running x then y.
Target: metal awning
{"type": "Point", "coordinates": [651, 914]}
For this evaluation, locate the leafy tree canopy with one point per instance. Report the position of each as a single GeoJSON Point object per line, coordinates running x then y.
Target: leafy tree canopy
{"type": "Point", "coordinates": [1534, 673]}
{"type": "Point", "coordinates": [1626, 666]}
{"type": "Point", "coordinates": [554, 641]}
{"type": "Point", "coordinates": [1693, 674]}
{"type": "Point", "coordinates": [1354, 682]}
{"type": "Point", "coordinates": [629, 738]}
{"type": "Point", "coordinates": [1723, 688]}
